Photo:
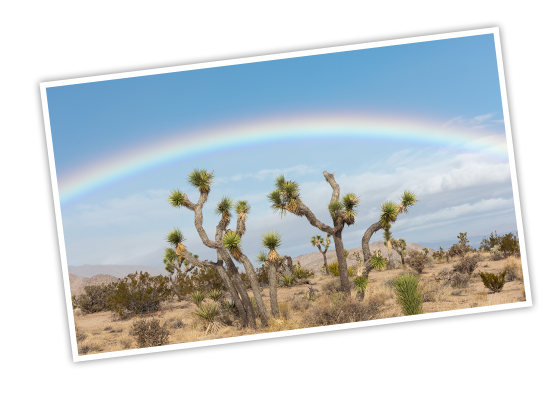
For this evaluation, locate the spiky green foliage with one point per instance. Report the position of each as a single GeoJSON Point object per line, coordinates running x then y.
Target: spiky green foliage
{"type": "Point", "coordinates": [208, 314]}
{"type": "Point", "coordinates": [388, 213]}
{"type": "Point", "coordinates": [408, 199]}
{"type": "Point", "coordinates": [175, 236]}
{"type": "Point", "coordinates": [318, 240]}
{"type": "Point", "coordinates": [176, 198]}
{"type": "Point", "coordinates": [261, 257]}
{"type": "Point", "coordinates": [271, 240]}
{"type": "Point", "coordinates": [230, 307]}
{"type": "Point", "coordinates": [242, 206]}
{"type": "Point", "coordinates": [493, 282]}
{"type": "Point", "coordinates": [232, 242]}
{"type": "Point", "coordinates": [361, 283]}
{"type": "Point", "coordinates": [409, 295]}
{"type": "Point", "coordinates": [170, 256]}
{"type": "Point", "coordinates": [334, 207]}
{"type": "Point", "coordinates": [377, 261]}
{"type": "Point", "coordinates": [224, 207]}
{"type": "Point", "coordinates": [387, 235]}
{"type": "Point", "coordinates": [215, 294]}
{"type": "Point", "coordinates": [198, 296]}
{"type": "Point", "coordinates": [350, 203]}
{"type": "Point", "coordinates": [333, 267]}
{"type": "Point", "coordinates": [287, 279]}
{"type": "Point", "coordinates": [301, 272]}
{"type": "Point", "coordinates": [201, 179]}
{"type": "Point", "coordinates": [285, 197]}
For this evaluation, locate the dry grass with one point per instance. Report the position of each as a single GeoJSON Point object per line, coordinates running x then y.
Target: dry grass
{"type": "Point", "coordinates": [104, 332]}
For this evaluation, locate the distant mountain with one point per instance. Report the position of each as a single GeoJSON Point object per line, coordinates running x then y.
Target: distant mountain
{"type": "Point", "coordinates": [78, 283]}
{"type": "Point", "coordinates": [315, 260]}
{"type": "Point", "coordinates": [118, 271]}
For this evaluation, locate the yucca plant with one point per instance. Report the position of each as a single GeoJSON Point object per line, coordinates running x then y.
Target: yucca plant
{"type": "Point", "coordinates": [208, 315]}
{"type": "Point", "coordinates": [242, 208]}
{"type": "Point", "coordinates": [232, 242]}
{"type": "Point", "coordinates": [301, 273]}
{"type": "Point", "coordinates": [230, 306]}
{"type": "Point", "coordinates": [271, 240]}
{"type": "Point", "coordinates": [361, 284]}
{"type": "Point", "coordinates": [287, 279]}
{"type": "Point", "coordinates": [409, 295]}
{"type": "Point", "coordinates": [201, 180]}
{"type": "Point", "coordinates": [495, 283]}
{"type": "Point", "coordinates": [215, 294]}
{"type": "Point", "coordinates": [377, 261]}
{"type": "Point", "coordinates": [224, 207]}
{"type": "Point", "coordinates": [177, 198]}
{"type": "Point", "coordinates": [197, 297]}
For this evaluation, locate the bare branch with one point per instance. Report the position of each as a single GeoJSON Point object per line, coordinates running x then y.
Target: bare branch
{"type": "Point", "coordinates": [331, 180]}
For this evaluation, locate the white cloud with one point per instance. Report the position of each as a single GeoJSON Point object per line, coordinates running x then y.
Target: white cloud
{"type": "Point", "coordinates": [477, 122]}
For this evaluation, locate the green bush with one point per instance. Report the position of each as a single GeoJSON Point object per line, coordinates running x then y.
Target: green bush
{"type": "Point", "coordinates": [467, 265]}
{"type": "Point", "coordinates": [204, 279]}
{"type": "Point", "coordinates": [95, 298]}
{"type": "Point", "coordinates": [417, 261]}
{"type": "Point", "coordinates": [409, 295]}
{"type": "Point", "coordinates": [301, 272]}
{"type": "Point", "coordinates": [493, 282]}
{"type": "Point", "coordinates": [287, 279]}
{"type": "Point", "coordinates": [360, 283]}
{"type": "Point", "coordinates": [508, 243]}
{"type": "Point", "coordinates": [333, 267]}
{"type": "Point", "coordinates": [149, 333]}
{"type": "Point", "coordinates": [139, 293]}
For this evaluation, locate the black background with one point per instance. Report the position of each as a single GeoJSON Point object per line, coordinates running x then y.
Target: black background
{"type": "Point", "coordinates": [487, 341]}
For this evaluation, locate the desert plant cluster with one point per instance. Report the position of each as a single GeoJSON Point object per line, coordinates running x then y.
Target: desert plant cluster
{"type": "Point", "coordinates": [206, 299]}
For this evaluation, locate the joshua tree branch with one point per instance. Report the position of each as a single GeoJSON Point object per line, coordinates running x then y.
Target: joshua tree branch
{"type": "Point", "coordinates": [331, 180]}
{"type": "Point", "coordinates": [303, 210]}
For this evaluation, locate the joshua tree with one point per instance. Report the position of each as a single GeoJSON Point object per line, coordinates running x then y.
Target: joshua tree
{"type": "Point", "coordinates": [271, 241]}
{"type": "Point", "coordinates": [286, 198]}
{"type": "Point", "coordinates": [389, 212]}
{"type": "Point", "coordinates": [202, 180]}
{"type": "Point", "coordinates": [173, 261]}
{"type": "Point", "coordinates": [388, 241]}
{"type": "Point", "coordinates": [318, 241]}
{"type": "Point", "coordinates": [400, 246]}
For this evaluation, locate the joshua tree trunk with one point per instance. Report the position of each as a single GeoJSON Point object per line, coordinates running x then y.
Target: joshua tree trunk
{"type": "Point", "coordinates": [326, 263]}
{"type": "Point", "coordinates": [342, 263]}
{"type": "Point", "coordinates": [250, 271]}
{"type": "Point", "coordinates": [273, 287]}
{"type": "Point", "coordinates": [366, 246]}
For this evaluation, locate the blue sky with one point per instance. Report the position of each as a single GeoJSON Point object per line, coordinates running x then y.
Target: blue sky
{"type": "Point", "coordinates": [452, 82]}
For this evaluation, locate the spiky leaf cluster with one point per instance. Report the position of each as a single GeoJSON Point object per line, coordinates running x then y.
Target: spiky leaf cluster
{"type": "Point", "coordinates": [224, 207]}
{"type": "Point", "coordinates": [261, 257]}
{"type": "Point", "coordinates": [409, 295]}
{"type": "Point", "coordinates": [232, 242]}
{"type": "Point", "coordinates": [285, 197]}
{"type": "Point", "coordinates": [388, 213]}
{"type": "Point", "coordinates": [175, 237]}
{"type": "Point", "coordinates": [198, 296]}
{"type": "Point", "coordinates": [361, 283]}
{"type": "Point", "coordinates": [201, 179]}
{"type": "Point", "coordinates": [377, 261]}
{"type": "Point", "coordinates": [242, 207]}
{"type": "Point", "coordinates": [271, 240]}
{"type": "Point", "coordinates": [408, 199]}
{"type": "Point", "coordinates": [177, 198]}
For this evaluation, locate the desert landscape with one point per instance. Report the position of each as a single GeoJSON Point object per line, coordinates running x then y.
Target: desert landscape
{"type": "Point", "coordinates": [106, 331]}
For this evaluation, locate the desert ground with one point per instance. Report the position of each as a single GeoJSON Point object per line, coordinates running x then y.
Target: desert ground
{"type": "Point", "coordinates": [107, 332]}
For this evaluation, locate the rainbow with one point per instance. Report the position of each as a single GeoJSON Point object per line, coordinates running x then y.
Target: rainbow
{"type": "Point", "coordinates": [190, 144]}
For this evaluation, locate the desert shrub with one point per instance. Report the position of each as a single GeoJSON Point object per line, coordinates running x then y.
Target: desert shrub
{"type": "Point", "coordinates": [300, 303]}
{"type": "Point", "coordinates": [435, 292]}
{"type": "Point", "coordinates": [301, 272]}
{"type": "Point", "coordinates": [204, 279]}
{"type": "Point", "coordinates": [459, 250]}
{"type": "Point", "coordinates": [197, 297]}
{"type": "Point", "coordinates": [125, 343]}
{"type": "Point", "coordinates": [360, 283]}
{"type": "Point", "coordinates": [208, 315]}
{"type": "Point", "coordinates": [177, 324]}
{"type": "Point", "coordinates": [139, 293]}
{"type": "Point", "coordinates": [409, 295]}
{"type": "Point", "coordinates": [513, 271]}
{"type": "Point", "coordinates": [287, 279]}
{"type": "Point", "coordinates": [228, 306]}
{"type": "Point", "coordinates": [331, 286]}
{"type": "Point", "coordinates": [74, 301]}
{"type": "Point", "coordinates": [80, 334]}
{"type": "Point", "coordinates": [460, 281]}
{"type": "Point", "coordinates": [285, 311]}
{"type": "Point", "coordinates": [467, 264]}
{"type": "Point", "coordinates": [493, 282]}
{"type": "Point", "coordinates": [341, 310]}
{"type": "Point", "coordinates": [88, 347]}
{"type": "Point", "coordinates": [507, 244]}
{"type": "Point", "coordinates": [333, 267]}
{"type": "Point", "coordinates": [215, 294]}
{"type": "Point", "coordinates": [95, 298]}
{"type": "Point", "coordinates": [149, 333]}
{"type": "Point", "coordinates": [417, 261]}
{"type": "Point", "coordinates": [497, 256]}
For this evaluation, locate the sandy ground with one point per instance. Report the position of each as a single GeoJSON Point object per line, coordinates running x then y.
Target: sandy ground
{"type": "Point", "coordinates": [106, 332]}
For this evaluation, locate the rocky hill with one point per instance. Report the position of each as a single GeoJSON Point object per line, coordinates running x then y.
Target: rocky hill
{"type": "Point", "coordinates": [78, 283]}
{"type": "Point", "coordinates": [315, 260]}
{"type": "Point", "coordinates": [119, 271]}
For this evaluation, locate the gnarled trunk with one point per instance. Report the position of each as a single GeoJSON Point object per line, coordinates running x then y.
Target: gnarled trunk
{"type": "Point", "coordinates": [250, 271]}
{"type": "Point", "coordinates": [342, 263]}
{"type": "Point", "coordinates": [366, 246]}
{"type": "Point", "coordinates": [273, 289]}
